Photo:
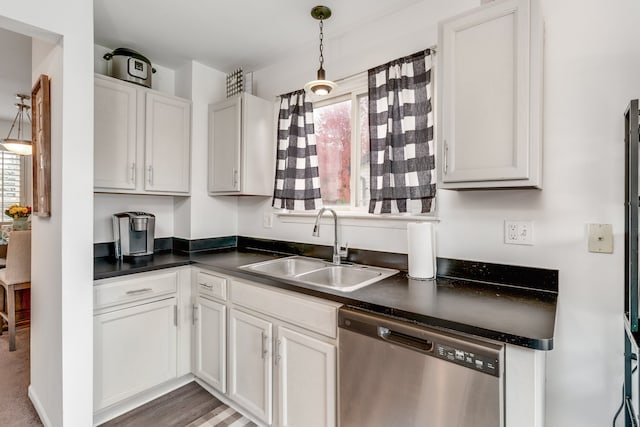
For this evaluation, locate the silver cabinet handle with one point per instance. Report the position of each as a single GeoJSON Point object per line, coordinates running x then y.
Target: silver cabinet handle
{"type": "Point", "coordinates": [206, 285]}
{"type": "Point", "coordinates": [278, 351]}
{"type": "Point", "coordinates": [446, 157]}
{"type": "Point", "coordinates": [150, 174]}
{"type": "Point", "coordinates": [133, 173]}
{"type": "Point", "coordinates": [235, 178]}
{"type": "Point", "coordinates": [264, 344]}
{"type": "Point", "coordinates": [194, 314]}
{"type": "Point", "coordinates": [175, 315]}
{"type": "Point", "coordinates": [139, 291]}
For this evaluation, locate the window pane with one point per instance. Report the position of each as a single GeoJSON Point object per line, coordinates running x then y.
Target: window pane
{"type": "Point", "coordinates": [333, 138]}
{"type": "Point", "coordinates": [364, 180]}
{"type": "Point", "coordinates": [9, 181]}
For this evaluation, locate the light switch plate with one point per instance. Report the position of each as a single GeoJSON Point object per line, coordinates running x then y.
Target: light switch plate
{"type": "Point", "coordinates": [267, 220]}
{"type": "Point", "coordinates": [600, 238]}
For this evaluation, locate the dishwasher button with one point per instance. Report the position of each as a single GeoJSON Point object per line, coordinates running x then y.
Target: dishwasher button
{"type": "Point", "coordinates": [479, 364]}
{"type": "Point", "coordinates": [459, 354]}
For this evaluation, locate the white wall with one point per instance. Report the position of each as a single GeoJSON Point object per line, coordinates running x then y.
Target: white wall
{"type": "Point", "coordinates": [592, 69]}
{"type": "Point", "coordinates": [105, 205]}
{"type": "Point", "coordinates": [204, 215]}
{"type": "Point", "coordinates": [61, 351]}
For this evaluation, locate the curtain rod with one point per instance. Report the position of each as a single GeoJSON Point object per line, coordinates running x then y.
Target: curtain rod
{"type": "Point", "coordinates": [433, 48]}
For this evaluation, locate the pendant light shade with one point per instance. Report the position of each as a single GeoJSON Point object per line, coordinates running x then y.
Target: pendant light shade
{"type": "Point", "coordinates": [320, 86]}
{"type": "Point", "coordinates": [19, 145]}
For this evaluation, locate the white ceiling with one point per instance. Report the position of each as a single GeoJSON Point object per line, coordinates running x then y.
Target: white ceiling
{"type": "Point", "coordinates": [226, 35]}
{"type": "Point", "coordinates": [15, 72]}
{"type": "Point", "coordinates": [223, 35]}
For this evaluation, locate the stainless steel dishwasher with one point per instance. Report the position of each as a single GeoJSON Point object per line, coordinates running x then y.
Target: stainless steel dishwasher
{"type": "Point", "coordinates": [394, 373]}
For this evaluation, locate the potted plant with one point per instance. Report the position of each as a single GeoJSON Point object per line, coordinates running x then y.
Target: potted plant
{"type": "Point", "coordinates": [20, 216]}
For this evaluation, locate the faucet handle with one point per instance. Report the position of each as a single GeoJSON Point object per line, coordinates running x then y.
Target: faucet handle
{"type": "Point", "coordinates": [343, 251]}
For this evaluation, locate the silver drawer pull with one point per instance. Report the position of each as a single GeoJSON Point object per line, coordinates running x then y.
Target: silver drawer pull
{"type": "Point", "coordinates": [206, 285]}
{"type": "Point", "coordinates": [139, 291]}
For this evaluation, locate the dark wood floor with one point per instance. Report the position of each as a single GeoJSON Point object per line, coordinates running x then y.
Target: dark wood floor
{"type": "Point", "coordinates": [175, 409]}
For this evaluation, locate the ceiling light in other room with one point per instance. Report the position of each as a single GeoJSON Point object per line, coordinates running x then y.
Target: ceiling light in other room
{"type": "Point", "coordinates": [19, 145]}
{"type": "Point", "coordinates": [321, 86]}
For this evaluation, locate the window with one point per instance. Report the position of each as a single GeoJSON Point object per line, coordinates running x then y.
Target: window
{"type": "Point", "coordinates": [12, 182]}
{"type": "Point", "coordinates": [342, 137]}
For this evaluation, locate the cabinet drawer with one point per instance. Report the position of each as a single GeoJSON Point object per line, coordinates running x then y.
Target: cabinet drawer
{"type": "Point", "coordinates": [113, 292]}
{"type": "Point", "coordinates": [213, 286]}
{"type": "Point", "coordinates": [307, 312]}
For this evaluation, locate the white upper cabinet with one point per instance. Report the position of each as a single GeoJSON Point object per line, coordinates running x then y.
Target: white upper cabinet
{"type": "Point", "coordinates": [115, 133]}
{"type": "Point", "coordinates": [241, 147]}
{"type": "Point", "coordinates": [490, 97]}
{"type": "Point", "coordinates": [142, 140]}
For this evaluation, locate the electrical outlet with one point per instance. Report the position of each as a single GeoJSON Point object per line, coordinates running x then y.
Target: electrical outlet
{"type": "Point", "coordinates": [518, 232]}
{"type": "Point", "coordinates": [600, 238]}
{"type": "Point", "coordinates": [267, 220]}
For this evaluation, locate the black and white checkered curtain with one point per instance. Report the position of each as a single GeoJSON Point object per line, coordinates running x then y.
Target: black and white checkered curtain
{"type": "Point", "coordinates": [401, 136]}
{"type": "Point", "coordinates": [297, 185]}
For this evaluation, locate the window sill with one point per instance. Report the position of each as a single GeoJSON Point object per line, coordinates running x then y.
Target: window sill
{"type": "Point", "coordinates": [351, 218]}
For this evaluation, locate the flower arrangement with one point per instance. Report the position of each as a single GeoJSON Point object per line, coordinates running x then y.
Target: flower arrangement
{"type": "Point", "coordinates": [17, 211]}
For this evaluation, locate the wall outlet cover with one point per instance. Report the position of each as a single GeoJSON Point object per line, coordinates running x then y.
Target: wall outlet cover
{"type": "Point", "coordinates": [600, 237]}
{"type": "Point", "coordinates": [518, 232]}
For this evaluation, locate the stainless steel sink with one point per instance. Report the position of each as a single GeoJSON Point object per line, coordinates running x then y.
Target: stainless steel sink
{"type": "Point", "coordinates": [290, 266]}
{"type": "Point", "coordinates": [344, 277]}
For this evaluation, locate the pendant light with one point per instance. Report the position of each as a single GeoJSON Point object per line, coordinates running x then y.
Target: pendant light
{"type": "Point", "coordinates": [321, 86]}
{"type": "Point", "coordinates": [19, 145]}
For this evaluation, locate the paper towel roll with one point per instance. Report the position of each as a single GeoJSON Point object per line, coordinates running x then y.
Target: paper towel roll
{"type": "Point", "coordinates": [421, 254]}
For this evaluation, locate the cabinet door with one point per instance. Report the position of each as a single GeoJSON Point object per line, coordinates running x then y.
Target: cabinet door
{"type": "Point", "coordinates": [487, 127]}
{"type": "Point", "coordinates": [134, 350]}
{"type": "Point", "coordinates": [115, 128]}
{"type": "Point", "coordinates": [210, 343]}
{"type": "Point", "coordinates": [225, 137]}
{"type": "Point", "coordinates": [307, 380]}
{"type": "Point", "coordinates": [167, 144]}
{"type": "Point", "coordinates": [250, 364]}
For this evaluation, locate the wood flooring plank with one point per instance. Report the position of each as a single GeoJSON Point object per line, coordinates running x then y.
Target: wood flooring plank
{"type": "Point", "coordinates": [178, 408]}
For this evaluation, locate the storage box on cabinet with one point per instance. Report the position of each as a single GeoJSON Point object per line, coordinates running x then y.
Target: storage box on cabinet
{"type": "Point", "coordinates": [490, 97]}
{"type": "Point", "coordinates": [142, 140]}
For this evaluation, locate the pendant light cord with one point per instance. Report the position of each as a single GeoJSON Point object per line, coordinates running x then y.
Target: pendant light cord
{"type": "Point", "coordinates": [321, 45]}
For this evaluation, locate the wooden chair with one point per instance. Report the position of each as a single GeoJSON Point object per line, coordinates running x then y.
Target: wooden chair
{"type": "Point", "coordinates": [15, 276]}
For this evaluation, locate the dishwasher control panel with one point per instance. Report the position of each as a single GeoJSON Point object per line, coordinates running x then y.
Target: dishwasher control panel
{"type": "Point", "coordinates": [466, 358]}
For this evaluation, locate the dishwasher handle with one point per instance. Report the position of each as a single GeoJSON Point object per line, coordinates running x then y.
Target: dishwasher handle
{"type": "Point", "coordinates": [404, 340]}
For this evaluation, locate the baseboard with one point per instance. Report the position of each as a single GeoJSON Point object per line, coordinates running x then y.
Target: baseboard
{"type": "Point", "coordinates": [38, 407]}
{"type": "Point", "coordinates": [224, 399]}
{"type": "Point", "coordinates": [117, 409]}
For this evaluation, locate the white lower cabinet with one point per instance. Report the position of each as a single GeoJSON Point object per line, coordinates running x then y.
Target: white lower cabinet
{"type": "Point", "coordinates": [306, 380]}
{"type": "Point", "coordinates": [141, 338]}
{"type": "Point", "coordinates": [210, 342]}
{"type": "Point", "coordinates": [250, 364]}
{"type": "Point", "coordinates": [134, 350]}
{"type": "Point", "coordinates": [282, 373]}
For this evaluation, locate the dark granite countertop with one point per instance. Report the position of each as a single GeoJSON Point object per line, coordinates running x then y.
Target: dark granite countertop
{"type": "Point", "coordinates": [508, 314]}
{"type": "Point", "coordinates": [106, 267]}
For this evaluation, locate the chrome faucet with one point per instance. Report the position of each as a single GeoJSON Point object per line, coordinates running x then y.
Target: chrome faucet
{"type": "Point", "coordinates": [337, 251]}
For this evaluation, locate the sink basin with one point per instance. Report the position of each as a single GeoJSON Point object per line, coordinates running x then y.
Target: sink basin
{"type": "Point", "coordinates": [344, 277]}
{"type": "Point", "coordinates": [291, 266]}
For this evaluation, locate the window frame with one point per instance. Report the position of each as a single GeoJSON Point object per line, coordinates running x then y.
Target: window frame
{"type": "Point", "coordinates": [352, 88]}
{"type": "Point", "coordinates": [25, 186]}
